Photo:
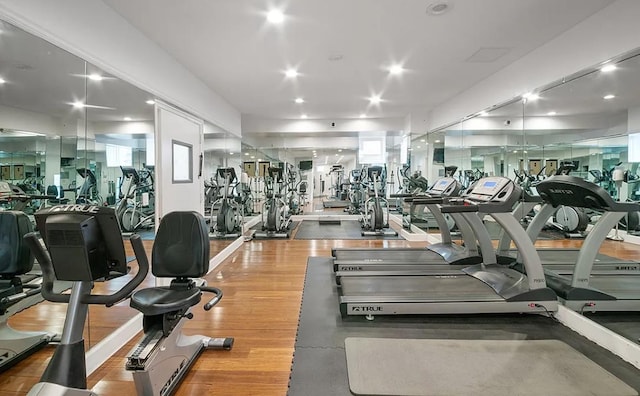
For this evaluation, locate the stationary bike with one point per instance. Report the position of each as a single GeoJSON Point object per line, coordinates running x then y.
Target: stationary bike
{"type": "Point", "coordinates": [275, 212]}
{"type": "Point", "coordinates": [374, 221]}
{"type": "Point", "coordinates": [93, 251]}
{"type": "Point", "coordinates": [83, 245]}
{"type": "Point", "coordinates": [228, 219]}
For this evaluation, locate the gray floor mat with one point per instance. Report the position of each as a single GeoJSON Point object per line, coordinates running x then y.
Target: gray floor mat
{"type": "Point", "coordinates": [419, 367]}
{"type": "Point", "coordinates": [319, 364]}
{"type": "Point", "coordinates": [347, 229]}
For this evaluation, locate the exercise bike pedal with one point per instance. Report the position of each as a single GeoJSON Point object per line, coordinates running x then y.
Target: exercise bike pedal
{"type": "Point", "coordinates": [219, 343]}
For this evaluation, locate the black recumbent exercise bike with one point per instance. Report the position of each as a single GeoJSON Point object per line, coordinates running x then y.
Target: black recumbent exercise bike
{"type": "Point", "coordinates": [84, 245]}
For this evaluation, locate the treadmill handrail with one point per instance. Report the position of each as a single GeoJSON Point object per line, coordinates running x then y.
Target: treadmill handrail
{"type": "Point", "coordinates": [459, 208]}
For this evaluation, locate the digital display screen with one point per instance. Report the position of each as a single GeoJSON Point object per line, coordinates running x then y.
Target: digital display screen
{"type": "Point", "coordinates": [443, 183]}
{"type": "Point", "coordinates": [489, 184]}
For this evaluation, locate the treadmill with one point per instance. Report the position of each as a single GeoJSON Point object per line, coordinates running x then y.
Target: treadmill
{"type": "Point", "coordinates": [587, 289]}
{"type": "Point", "coordinates": [559, 260]}
{"type": "Point", "coordinates": [480, 288]}
{"type": "Point", "coordinates": [399, 259]}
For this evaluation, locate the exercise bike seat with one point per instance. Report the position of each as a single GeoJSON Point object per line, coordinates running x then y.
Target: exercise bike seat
{"type": "Point", "coordinates": [180, 251]}
{"type": "Point", "coordinates": [161, 300]}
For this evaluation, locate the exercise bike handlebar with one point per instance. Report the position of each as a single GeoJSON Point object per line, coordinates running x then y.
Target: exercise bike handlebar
{"type": "Point", "coordinates": [214, 300]}
{"type": "Point", "coordinates": [103, 299]}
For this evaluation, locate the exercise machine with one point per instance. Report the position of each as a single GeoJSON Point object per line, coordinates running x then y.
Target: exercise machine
{"type": "Point", "coordinates": [446, 255]}
{"type": "Point", "coordinates": [19, 290]}
{"type": "Point", "coordinates": [275, 213]}
{"type": "Point", "coordinates": [374, 221]}
{"type": "Point", "coordinates": [593, 284]}
{"type": "Point", "coordinates": [292, 197]}
{"type": "Point", "coordinates": [164, 354]}
{"type": "Point", "coordinates": [480, 288]}
{"type": "Point", "coordinates": [88, 192]}
{"type": "Point", "coordinates": [83, 245]}
{"type": "Point", "coordinates": [356, 191]}
{"type": "Point", "coordinates": [228, 219]}
{"type": "Point", "coordinates": [136, 209]}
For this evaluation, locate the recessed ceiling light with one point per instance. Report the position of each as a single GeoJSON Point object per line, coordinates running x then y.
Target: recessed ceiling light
{"type": "Point", "coordinates": [150, 102]}
{"type": "Point", "coordinates": [299, 100]}
{"type": "Point", "coordinates": [253, 157]}
{"type": "Point", "coordinates": [515, 151]}
{"type": "Point", "coordinates": [483, 114]}
{"type": "Point", "coordinates": [423, 140]}
{"type": "Point", "coordinates": [78, 105]}
{"type": "Point", "coordinates": [340, 150]}
{"type": "Point", "coordinates": [396, 70]}
{"type": "Point", "coordinates": [127, 118]}
{"type": "Point", "coordinates": [438, 8]}
{"type": "Point", "coordinates": [336, 155]}
{"type": "Point", "coordinates": [230, 153]}
{"type": "Point", "coordinates": [95, 77]}
{"type": "Point", "coordinates": [437, 141]}
{"type": "Point", "coordinates": [375, 99]}
{"type": "Point", "coordinates": [419, 147]}
{"type": "Point", "coordinates": [2, 80]}
{"type": "Point", "coordinates": [303, 116]}
{"type": "Point", "coordinates": [608, 68]}
{"type": "Point", "coordinates": [291, 73]}
{"type": "Point", "coordinates": [363, 115]}
{"type": "Point", "coordinates": [531, 96]}
{"type": "Point", "coordinates": [275, 16]}
{"type": "Point", "coordinates": [551, 113]}
{"type": "Point", "coordinates": [609, 96]}
{"type": "Point", "coordinates": [246, 153]}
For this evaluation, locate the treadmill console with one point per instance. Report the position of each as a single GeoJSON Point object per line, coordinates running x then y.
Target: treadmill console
{"type": "Point", "coordinates": [491, 189]}
{"type": "Point", "coordinates": [444, 187]}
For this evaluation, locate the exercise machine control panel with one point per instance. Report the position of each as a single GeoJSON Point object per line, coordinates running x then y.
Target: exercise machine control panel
{"type": "Point", "coordinates": [444, 187]}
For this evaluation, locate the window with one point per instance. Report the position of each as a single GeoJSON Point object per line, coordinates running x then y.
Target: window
{"type": "Point", "coordinates": [119, 155]}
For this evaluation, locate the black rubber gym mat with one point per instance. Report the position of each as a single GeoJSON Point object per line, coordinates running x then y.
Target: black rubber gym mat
{"type": "Point", "coordinates": [319, 364]}
{"type": "Point", "coordinates": [627, 324]}
{"type": "Point", "coordinates": [347, 229]}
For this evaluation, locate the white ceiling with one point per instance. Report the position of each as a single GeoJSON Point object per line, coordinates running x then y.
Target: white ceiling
{"type": "Point", "coordinates": [231, 47]}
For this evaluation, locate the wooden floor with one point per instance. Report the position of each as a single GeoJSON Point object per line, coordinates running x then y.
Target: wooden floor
{"type": "Point", "coordinates": [263, 283]}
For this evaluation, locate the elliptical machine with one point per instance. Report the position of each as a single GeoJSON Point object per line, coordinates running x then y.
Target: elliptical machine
{"type": "Point", "coordinates": [356, 192]}
{"type": "Point", "coordinates": [228, 219]}
{"type": "Point", "coordinates": [88, 193]}
{"type": "Point", "coordinates": [275, 213]}
{"type": "Point", "coordinates": [293, 199]}
{"type": "Point", "coordinates": [373, 219]}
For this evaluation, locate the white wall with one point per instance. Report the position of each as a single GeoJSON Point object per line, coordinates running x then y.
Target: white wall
{"type": "Point", "coordinates": [95, 32]}
{"type": "Point", "coordinates": [606, 34]}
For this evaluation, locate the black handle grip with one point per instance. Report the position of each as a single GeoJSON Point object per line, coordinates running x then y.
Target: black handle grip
{"type": "Point", "coordinates": [129, 287]}
{"type": "Point", "coordinates": [401, 195]}
{"type": "Point", "coordinates": [214, 300]}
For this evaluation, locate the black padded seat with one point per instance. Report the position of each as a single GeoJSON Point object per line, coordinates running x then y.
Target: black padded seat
{"type": "Point", "coordinates": [161, 300]}
{"type": "Point", "coordinates": [180, 251]}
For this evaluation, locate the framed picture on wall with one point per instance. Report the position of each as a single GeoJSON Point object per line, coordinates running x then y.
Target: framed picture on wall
{"type": "Point", "coordinates": [249, 168]}
{"type": "Point", "coordinates": [263, 167]}
{"type": "Point", "coordinates": [18, 172]}
{"type": "Point", "coordinates": [5, 172]}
